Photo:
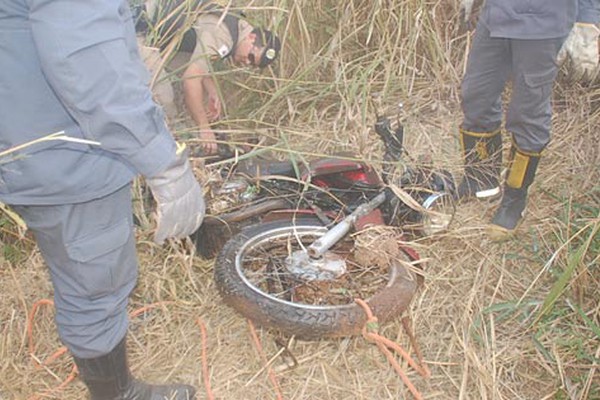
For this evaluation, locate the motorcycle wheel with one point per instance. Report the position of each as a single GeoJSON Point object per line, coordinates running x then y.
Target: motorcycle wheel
{"type": "Point", "coordinates": [252, 277]}
{"type": "Point", "coordinates": [440, 205]}
{"type": "Point", "coordinates": [439, 213]}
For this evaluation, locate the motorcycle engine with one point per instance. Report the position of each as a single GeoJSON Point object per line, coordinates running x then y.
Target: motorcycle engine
{"type": "Point", "coordinates": [231, 194]}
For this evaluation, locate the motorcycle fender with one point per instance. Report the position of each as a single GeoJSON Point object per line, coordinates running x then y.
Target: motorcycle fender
{"type": "Point", "coordinates": [287, 215]}
{"type": "Point", "coordinates": [375, 217]}
{"type": "Point", "coordinates": [335, 166]}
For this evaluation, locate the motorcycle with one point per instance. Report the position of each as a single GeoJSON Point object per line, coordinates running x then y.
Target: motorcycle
{"type": "Point", "coordinates": [300, 243]}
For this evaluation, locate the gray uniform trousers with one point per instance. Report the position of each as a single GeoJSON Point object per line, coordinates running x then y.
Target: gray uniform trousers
{"type": "Point", "coordinates": [90, 251]}
{"type": "Point", "coordinates": [531, 65]}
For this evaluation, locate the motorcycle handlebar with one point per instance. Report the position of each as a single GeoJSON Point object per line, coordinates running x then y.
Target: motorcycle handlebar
{"type": "Point", "coordinates": [392, 139]}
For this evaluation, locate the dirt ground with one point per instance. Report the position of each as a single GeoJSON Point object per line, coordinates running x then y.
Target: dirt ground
{"type": "Point", "coordinates": [473, 318]}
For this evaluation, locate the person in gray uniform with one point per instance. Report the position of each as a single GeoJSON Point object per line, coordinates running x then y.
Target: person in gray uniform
{"type": "Point", "coordinates": [517, 41]}
{"type": "Point", "coordinates": [73, 68]}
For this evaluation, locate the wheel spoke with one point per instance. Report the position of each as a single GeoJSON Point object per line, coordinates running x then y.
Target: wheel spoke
{"type": "Point", "coordinates": [263, 264]}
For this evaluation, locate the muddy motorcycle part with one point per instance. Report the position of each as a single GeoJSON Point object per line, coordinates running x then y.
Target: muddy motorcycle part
{"type": "Point", "coordinates": [321, 246]}
{"type": "Point", "coordinates": [266, 275]}
{"type": "Point", "coordinates": [439, 204]}
{"type": "Point", "coordinates": [216, 230]}
{"type": "Point", "coordinates": [440, 209]}
{"type": "Point", "coordinates": [393, 139]}
{"type": "Point", "coordinates": [346, 183]}
{"type": "Point", "coordinates": [434, 192]}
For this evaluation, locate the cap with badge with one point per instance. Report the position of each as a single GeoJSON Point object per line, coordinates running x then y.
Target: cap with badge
{"type": "Point", "coordinates": [271, 44]}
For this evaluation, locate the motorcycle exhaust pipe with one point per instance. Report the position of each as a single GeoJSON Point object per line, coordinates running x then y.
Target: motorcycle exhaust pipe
{"type": "Point", "coordinates": [325, 242]}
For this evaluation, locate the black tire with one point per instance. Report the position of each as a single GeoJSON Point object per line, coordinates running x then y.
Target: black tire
{"type": "Point", "coordinates": [209, 239]}
{"type": "Point", "coordinates": [245, 283]}
{"type": "Point", "coordinates": [215, 231]}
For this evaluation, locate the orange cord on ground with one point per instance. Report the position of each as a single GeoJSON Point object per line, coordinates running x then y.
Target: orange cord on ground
{"type": "Point", "coordinates": [270, 372]}
{"type": "Point", "coordinates": [385, 344]}
{"type": "Point", "coordinates": [209, 392]}
{"type": "Point", "coordinates": [382, 343]}
{"type": "Point", "coordinates": [63, 350]}
{"type": "Point", "coordinates": [58, 353]}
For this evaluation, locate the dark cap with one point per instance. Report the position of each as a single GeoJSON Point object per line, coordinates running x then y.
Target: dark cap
{"type": "Point", "coordinates": [271, 44]}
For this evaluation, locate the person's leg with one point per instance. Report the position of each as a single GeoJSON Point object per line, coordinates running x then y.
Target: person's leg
{"type": "Point", "coordinates": [528, 119]}
{"type": "Point", "coordinates": [161, 87]}
{"type": "Point", "coordinates": [90, 252]}
{"type": "Point", "coordinates": [488, 69]}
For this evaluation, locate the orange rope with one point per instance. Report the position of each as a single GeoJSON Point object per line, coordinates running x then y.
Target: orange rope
{"type": "Point", "coordinates": [34, 310]}
{"type": "Point", "coordinates": [63, 350]}
{"type": "Point", "coordinates": [62, 386]}
{"type": "Point", "coordinates": [209, 392]}
{"type": "Point", "coordinates": [150, 306]}
{"type": "Point", "coordinates": [385, 344]}
{"type": "Point", "coordinates": [270, 372]}
{"type": "Point", "coordinates": [58, 353]}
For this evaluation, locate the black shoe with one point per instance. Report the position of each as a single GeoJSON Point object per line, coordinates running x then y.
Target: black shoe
{"type": "Point", "coordinates": [108, 378]}
{"type": "Point", "coordinates": [523, 167]}
{"type": "Point", "coordinates": [509, 214]}
{"type": "Point", "coordinates": [482, 152]}
{"type": "Point", "coordinates": [470, 187]}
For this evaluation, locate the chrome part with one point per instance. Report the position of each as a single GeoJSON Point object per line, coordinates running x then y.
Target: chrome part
{"type": "Point", "coordinates": [329, 266]}
{"type": "Point", "coordinates": [440, 209]}
{"type": "Point", "coordinates": [232, 186]}
{"type": "Point", "coordinates": [324, 243]}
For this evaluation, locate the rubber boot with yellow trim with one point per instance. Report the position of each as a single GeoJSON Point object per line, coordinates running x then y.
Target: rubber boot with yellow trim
{"type": "Point", "coordinates": [108, 378]}
{"type": "Point", "coordinates": [510, 213]}
{"type": "Point", "coordinates": [482, 152]}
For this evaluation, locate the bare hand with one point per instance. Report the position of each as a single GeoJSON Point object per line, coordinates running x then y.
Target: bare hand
{"type": "Point", "coordinates": [208, 142]}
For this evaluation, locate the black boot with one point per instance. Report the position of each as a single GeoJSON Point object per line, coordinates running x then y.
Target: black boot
{"type": "Point", "coordinates": [108, 378]}
{"type": "Point", "coordinates": [512, 207]}
{"type": "Point", "coordinates": [482, 152]}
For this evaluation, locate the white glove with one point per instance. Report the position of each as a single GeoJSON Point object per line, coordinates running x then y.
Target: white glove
{"type": "Point", "coordinates": [466, 6]}
{"type": "Point", "coordinates": [582, 47]}
{"type": "Point", "coordinates": [179, 198]}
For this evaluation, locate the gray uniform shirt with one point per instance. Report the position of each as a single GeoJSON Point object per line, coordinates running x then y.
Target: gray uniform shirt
{"type": "Point", "coordinates": [537, 19]}
{"type": "Point", "coordinates": [73, 66]}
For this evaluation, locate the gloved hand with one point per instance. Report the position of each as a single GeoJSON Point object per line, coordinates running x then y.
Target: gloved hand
{"type": "Point", "coordinates": [469, 12]}
{"type": "Point", "coordinates": [582, 47]}
{"type": "Point", "coordinates": [179, 198]}
{"type": "Point", "coordinates": [466, 6]}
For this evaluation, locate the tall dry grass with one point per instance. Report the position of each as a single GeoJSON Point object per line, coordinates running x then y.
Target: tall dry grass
{"type": "Point", "coordinates": [517, 320]}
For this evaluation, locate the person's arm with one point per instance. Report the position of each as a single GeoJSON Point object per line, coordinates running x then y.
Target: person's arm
{"type": "Point", "coordinates": [197, 83]}
{"type": "Point", "coordinates": [213, 100]}
{"type": "Point", "coordinates": [159, 83]}
{"type": "Point", "coordinates": [89, 56]}
{"type": "Point", "coordinates": [588, 11]}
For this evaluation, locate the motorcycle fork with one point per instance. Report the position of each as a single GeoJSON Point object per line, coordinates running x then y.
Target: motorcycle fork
{"type": "Point", "coordinates": [338, 231]}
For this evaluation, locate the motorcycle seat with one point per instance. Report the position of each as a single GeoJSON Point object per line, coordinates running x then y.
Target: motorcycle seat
{"type": "Point", "coordinates": [255, 168]}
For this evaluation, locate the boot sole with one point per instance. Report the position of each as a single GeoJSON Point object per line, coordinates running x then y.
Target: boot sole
{"type": "Point", "coordinates": [498, 234]}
